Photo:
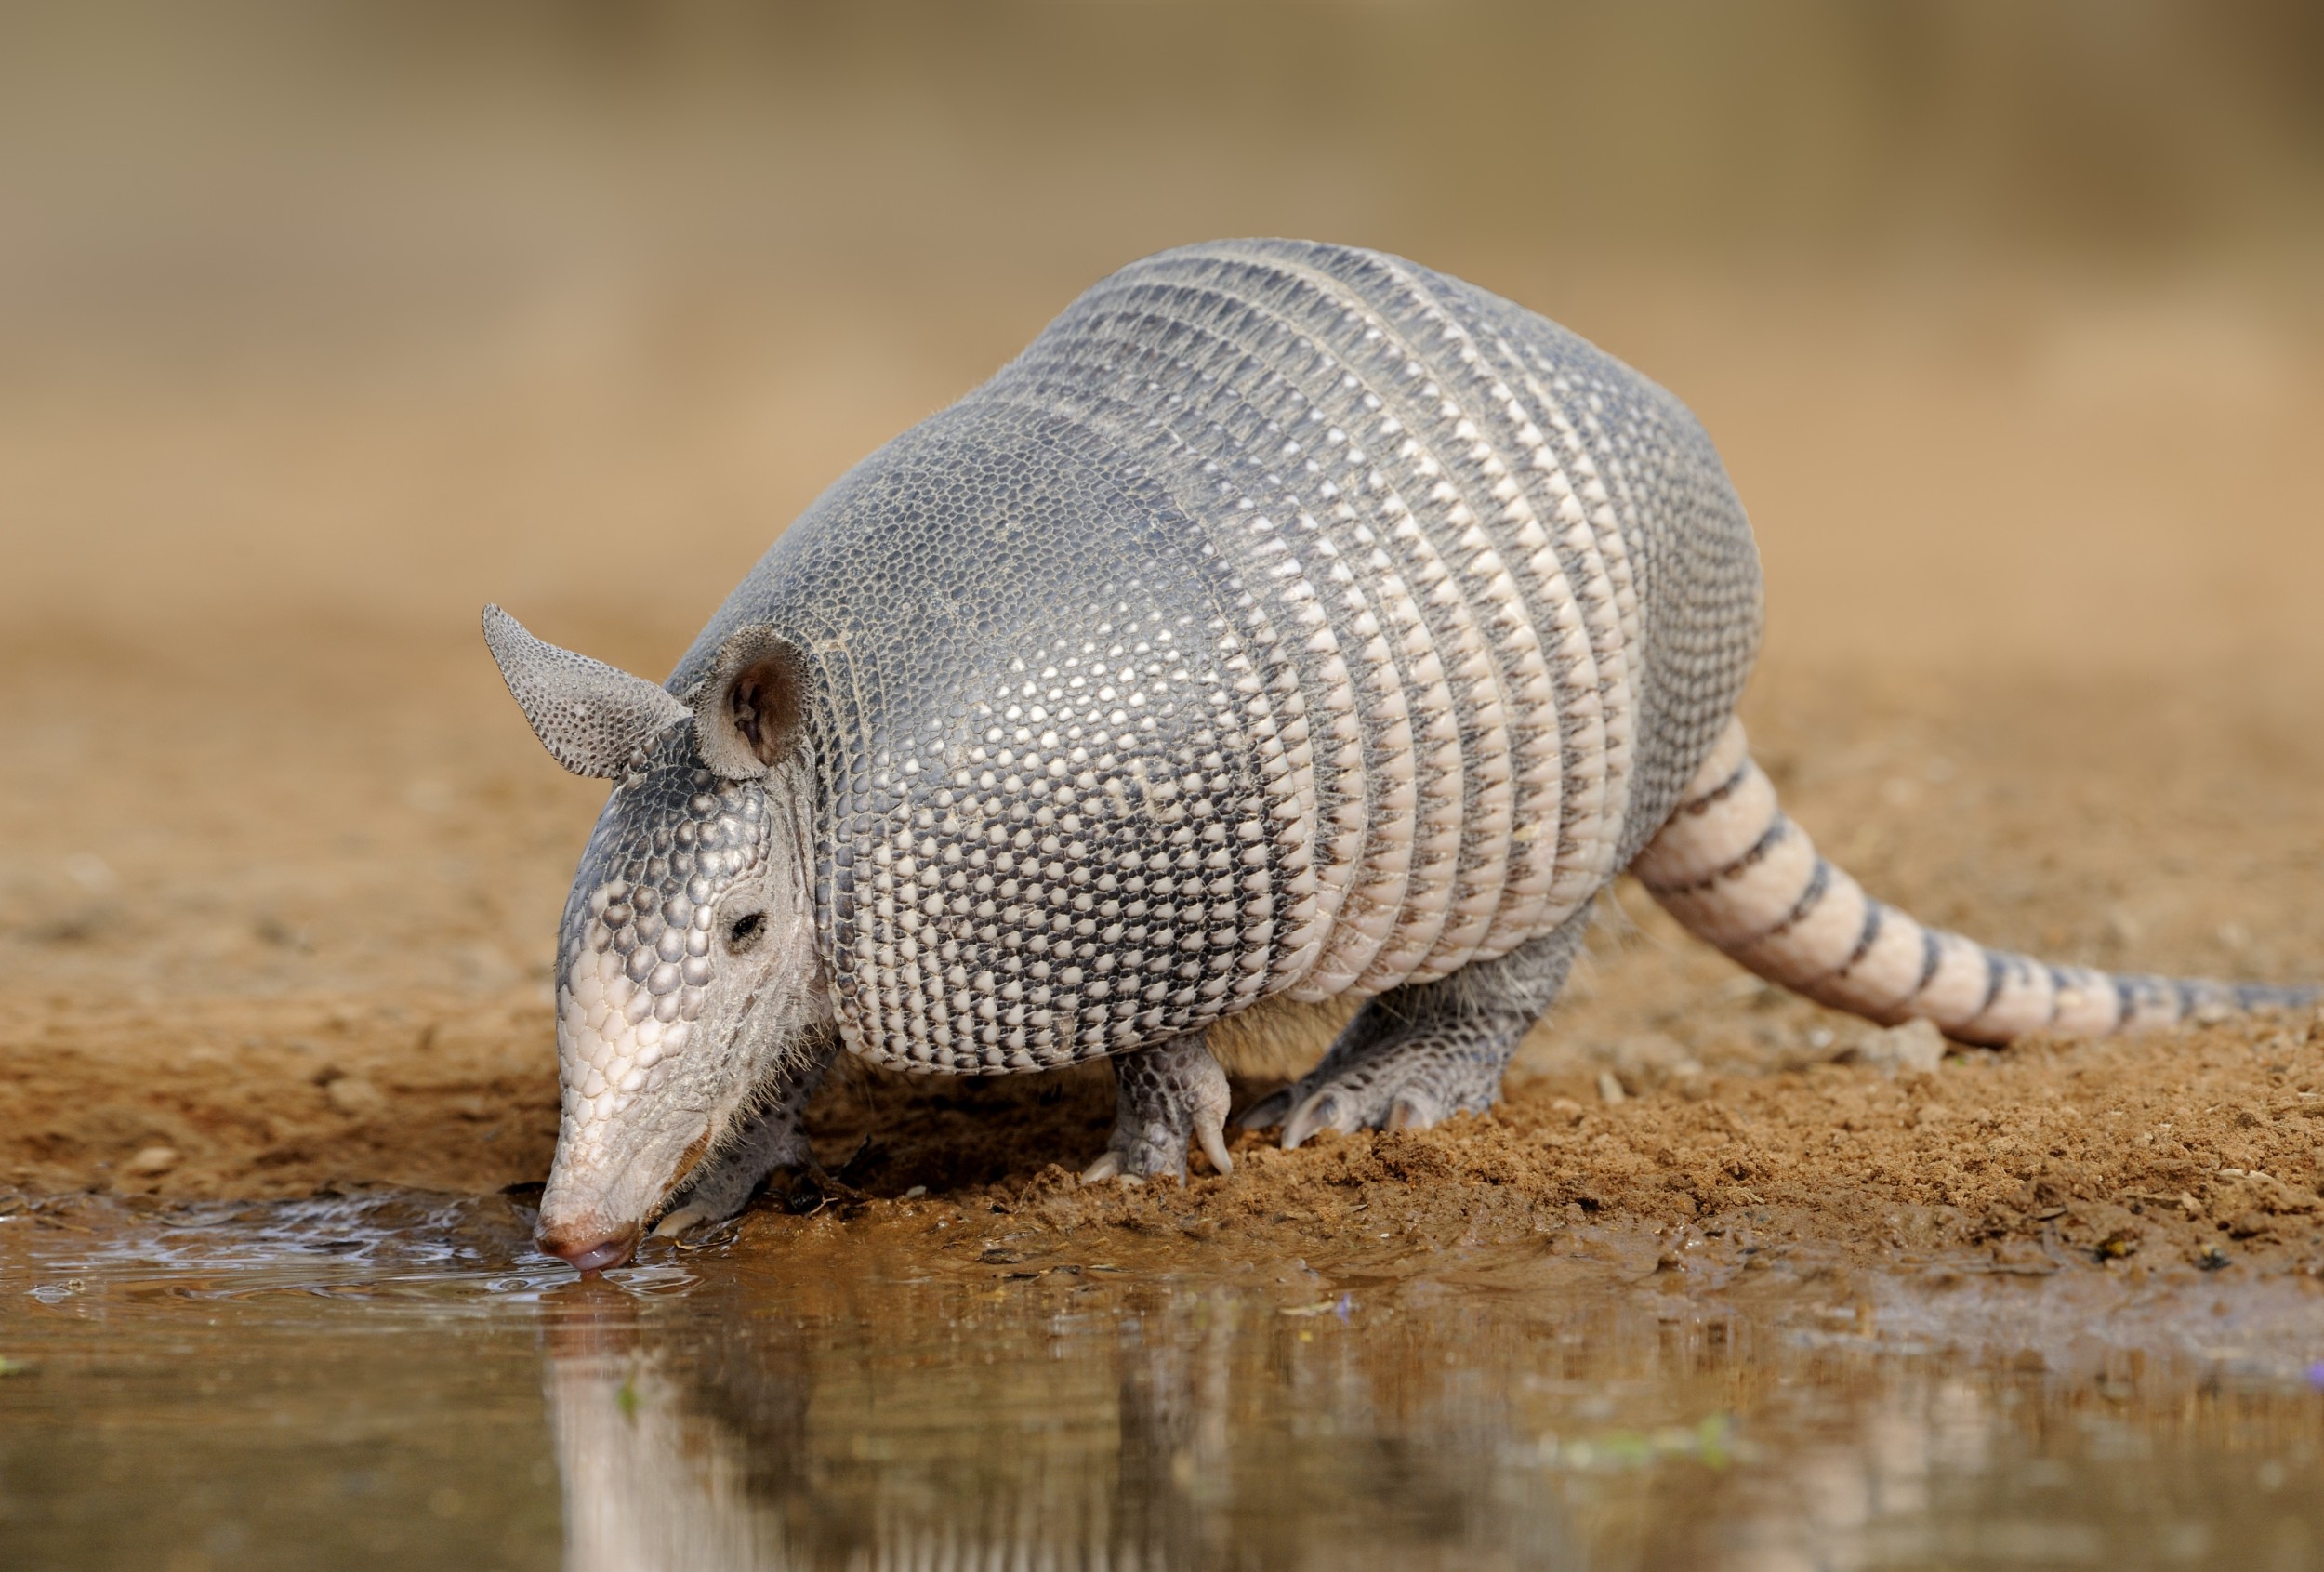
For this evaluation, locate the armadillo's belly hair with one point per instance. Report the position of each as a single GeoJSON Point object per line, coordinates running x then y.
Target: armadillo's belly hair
{"type": "Point", "coordinates": [1288, 619]}
{"type": "Point", "coordinates": [1736, 871]}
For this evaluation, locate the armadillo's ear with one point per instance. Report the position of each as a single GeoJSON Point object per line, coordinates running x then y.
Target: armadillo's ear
{"type": "Point", "coordinates": [591, 716]}
{"type": "Point", "coordinates": [748, 710]}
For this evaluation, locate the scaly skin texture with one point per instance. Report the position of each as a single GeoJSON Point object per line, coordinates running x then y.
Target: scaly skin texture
{"type": "Point", "coordinates": [1288, 621]}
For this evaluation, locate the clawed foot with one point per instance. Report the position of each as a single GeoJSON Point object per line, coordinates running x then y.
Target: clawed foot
{"type": "Point", "coordinates": [773, 1141]}
{"type": "Point", "coordinates": [1167, 1097]}
{"type": "Point", "coordinates": [1416, 1055]}
{"type": "Point", "coordinates": [1302, 1110]}
{"type": "Point", "coordinates": [1391, 1073]}
{"type": "Point", "coordinates": [798, 1189]}
{"type": "Point", "coordinates": [683, 1220]}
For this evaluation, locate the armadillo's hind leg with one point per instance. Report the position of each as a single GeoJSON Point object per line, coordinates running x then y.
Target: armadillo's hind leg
{"type": "Point", "coordinates": [1416, 1055]}
{"type": "Point", "coordinates": [1165, 1097]}
{"type": "Point", "coordinates": [772, 1139]}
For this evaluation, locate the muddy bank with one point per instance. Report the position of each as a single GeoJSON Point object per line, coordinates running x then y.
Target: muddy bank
{"type": "Point", "coordinates": [2192, 1152]}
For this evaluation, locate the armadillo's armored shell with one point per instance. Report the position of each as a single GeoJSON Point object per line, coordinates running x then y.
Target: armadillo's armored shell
{"type": "Point", "coordinates": [1286, 618]}
{"type": "Point", "coordinates": [1043, 752]}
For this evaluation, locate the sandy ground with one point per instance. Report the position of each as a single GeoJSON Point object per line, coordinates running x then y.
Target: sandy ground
{"type": "Point", "coordinates": [279, 863]}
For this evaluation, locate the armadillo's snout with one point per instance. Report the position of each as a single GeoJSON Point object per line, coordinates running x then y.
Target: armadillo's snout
{"type": "Point", "coordinates": [590, 1250]}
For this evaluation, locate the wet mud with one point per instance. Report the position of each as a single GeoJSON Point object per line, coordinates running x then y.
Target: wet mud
{"type": "Point", "coordinates": [2166, 1159]}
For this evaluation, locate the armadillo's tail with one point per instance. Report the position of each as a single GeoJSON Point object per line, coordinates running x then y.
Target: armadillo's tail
{"type": "Point", "coordinates": [1734, 870]}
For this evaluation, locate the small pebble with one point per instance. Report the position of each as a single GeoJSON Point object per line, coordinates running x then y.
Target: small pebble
{"type": "Point", "coordinates": [153, 1160]}
{"type": "Point", "coordinates": [914, 1193]}
{"type": "Point", "coordinates": [354, 1096]}
{"type": "Point", "coordinates": [1610, 1087]}
{"type": "Point", "coordinates": [1915, 1047]}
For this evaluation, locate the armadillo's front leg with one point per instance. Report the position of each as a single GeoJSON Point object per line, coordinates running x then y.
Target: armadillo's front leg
{"type": "Point", "coordinates": [1165, 1097]}
{"type": "Point", "coordinates": [1418, 1056]}
{"type": "Point", "coordinates": [774, 1137]}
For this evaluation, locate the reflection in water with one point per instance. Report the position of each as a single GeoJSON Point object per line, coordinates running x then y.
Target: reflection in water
{"type": "Point", "coordinates": [647, 1483]}
{"type": "Point", "coordinates": [1068, 1418]}
{"type": "Point", "coordinates": [720, 1449]}
{"type": "Point", "coordinates": [214, 1390]}
{"type": "Point", "coordinates": [1056, 1422]}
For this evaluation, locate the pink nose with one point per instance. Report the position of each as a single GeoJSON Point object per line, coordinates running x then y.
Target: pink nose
{"type": "Point", "coordinates": [588, 1255]}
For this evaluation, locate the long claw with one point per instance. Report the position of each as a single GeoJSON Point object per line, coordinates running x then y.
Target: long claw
{"type": "Point", "coordinates": [1211, 1131]}
{"type": "Point", "coordinates": [676, 1223]}
{"type": "Point", "coordinates": [1268, 1112]}
{"type": "Point", "coordinates": [1407, 1115]}
{"type": "Point", "coordinates": [1325, 1110]}
{"type": "Point", "coordinates": [1105, 1168]}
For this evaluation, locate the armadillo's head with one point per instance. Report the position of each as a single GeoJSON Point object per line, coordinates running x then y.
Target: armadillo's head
{"type": "Point", "coordinates": [687, 976]}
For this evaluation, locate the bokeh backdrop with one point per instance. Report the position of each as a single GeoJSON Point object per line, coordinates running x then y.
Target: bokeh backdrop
{"type": "Point", "coordinates": [372, 311]}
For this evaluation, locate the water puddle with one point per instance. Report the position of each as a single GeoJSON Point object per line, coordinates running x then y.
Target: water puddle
{"type": "Point", "coordinates": [398, 1380]}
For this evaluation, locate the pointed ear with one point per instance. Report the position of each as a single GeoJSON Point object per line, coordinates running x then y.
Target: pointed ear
{"type": "Point", "coordinates": [749, 709]}
{"type": "Point", "coordinates": [591, 716]}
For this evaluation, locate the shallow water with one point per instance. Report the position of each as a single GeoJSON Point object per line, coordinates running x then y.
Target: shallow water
{"type": "Point", "coordinates": [398, 1380]}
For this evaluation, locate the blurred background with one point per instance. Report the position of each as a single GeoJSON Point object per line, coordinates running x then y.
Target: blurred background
{"type": "Point", "coordinates": [323, 325]}
{"type": "Point", "coordinates": [363, 313]}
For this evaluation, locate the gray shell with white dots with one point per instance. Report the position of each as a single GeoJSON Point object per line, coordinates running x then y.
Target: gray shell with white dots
{"type": "Point", "coordinates": [1288, 618]}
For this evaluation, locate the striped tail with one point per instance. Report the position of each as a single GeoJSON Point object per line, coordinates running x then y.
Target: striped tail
{"type": "Point", "coordinates": [1734, 871]}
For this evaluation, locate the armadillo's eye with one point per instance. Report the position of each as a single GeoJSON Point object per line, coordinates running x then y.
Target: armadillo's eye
{"type": "Point", "coordinates": [746, 931]}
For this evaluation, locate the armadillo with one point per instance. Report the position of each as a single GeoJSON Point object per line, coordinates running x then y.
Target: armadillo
{"type": "Point", "coordinates": [1288, 623]}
